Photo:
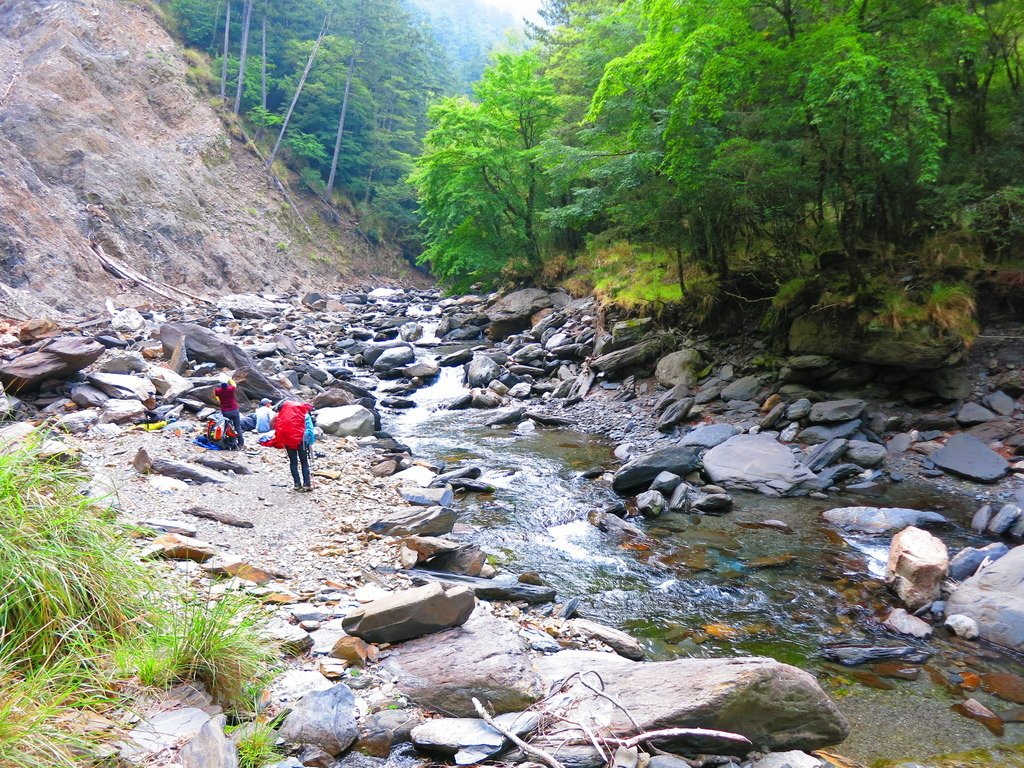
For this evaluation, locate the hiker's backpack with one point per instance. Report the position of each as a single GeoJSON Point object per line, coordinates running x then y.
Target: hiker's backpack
{"type": "Point", "coordinates": [309, 433]}
{"type": "Point", "coordinates": [221, 432]}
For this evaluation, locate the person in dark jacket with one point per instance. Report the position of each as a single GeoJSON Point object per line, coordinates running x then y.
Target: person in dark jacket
{"type": "Point", "coordinates": [225, 394]}
{"type": "Point", "coordinates": [290, 434]}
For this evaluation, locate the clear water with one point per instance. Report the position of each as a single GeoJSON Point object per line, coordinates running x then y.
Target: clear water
{"type": "Point", "coordinates": [709, 586]}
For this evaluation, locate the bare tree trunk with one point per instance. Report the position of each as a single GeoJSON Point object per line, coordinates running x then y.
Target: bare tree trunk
{"type": "Point", "coordinates": [263, 62]}
{"type": "Point", "coordinates": [224, 62]}
{"type": "Point", "coordinates": [341, 121]}
{"type": "Point", "coordinates": [246, 19]}
{"type": "Point", "coordinates": [298, 92]}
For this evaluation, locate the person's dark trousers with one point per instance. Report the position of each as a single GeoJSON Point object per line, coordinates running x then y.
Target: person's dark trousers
{"type": "Point", "coordinates": [295, 457]}
{"type": "Point", "coordinates": [236, 421]}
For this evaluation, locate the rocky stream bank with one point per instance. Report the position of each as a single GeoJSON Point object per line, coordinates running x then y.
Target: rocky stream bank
{"type": "Point", "coordinates": [467, 539]}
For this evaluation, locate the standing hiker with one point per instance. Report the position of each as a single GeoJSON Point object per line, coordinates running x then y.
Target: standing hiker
{"type": "Point", "coordinates": [225, 394]}
{"type": "Point", "coordinates": [290, 433]}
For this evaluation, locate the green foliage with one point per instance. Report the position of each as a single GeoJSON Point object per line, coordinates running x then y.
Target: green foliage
{"type": "Point", "coordinates": [257, 746]}
{"type": "Point", "coordinates": [216, 643]}
{"type": "Point", "coordinates": [68, 577]}
{"type": "Point", "coordinates": [479, 178]}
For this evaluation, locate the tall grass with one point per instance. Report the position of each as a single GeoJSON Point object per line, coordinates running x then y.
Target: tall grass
{"type": "Point", "coordinates": [218, 644]}
{"type": "Point", "coordinates": [68, 577]}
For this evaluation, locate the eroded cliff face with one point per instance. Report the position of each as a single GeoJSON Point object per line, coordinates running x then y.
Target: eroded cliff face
{"type": "Point", "coordinates": [104, 142]}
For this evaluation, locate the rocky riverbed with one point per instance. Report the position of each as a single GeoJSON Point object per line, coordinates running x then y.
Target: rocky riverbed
{"type": "Point", "coordinates": [515, 503]}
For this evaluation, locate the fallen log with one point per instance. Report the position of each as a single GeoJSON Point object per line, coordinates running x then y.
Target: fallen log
{"type": "Point", "coordinates": [227, 518]}
{"type": "Point", "coordinates": [179, 470]}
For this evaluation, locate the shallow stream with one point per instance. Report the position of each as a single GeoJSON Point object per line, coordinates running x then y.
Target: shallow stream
{"type": "Point", "coordinates": [715, 586]}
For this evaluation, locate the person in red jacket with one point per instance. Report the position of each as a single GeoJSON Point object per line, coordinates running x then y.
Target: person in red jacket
{"type": "Point", "coordinates": [225, 394]}
{"type": "Point", "coordinates": [290, 434]}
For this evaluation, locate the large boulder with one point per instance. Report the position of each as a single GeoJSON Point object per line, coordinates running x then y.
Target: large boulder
{"type": "Point", "coordinates": [742, 389]}
{"type": "Point", "coordinates": [485, 658]}
{"type": "Point", "coordinates": [994, 598]}
{"type": "Point", "coordinates": [755, 463]}
{"type": "Point", "coordinates": [251, 306]}
{"type": "Point", "coordinates": [325, 719]}
{"type": "Point", "coordinates": [514, 312]}
{"type": "Point", "coordinates": [346, 421]}
{"type": "Point", "coordinates": [394, 359]}
{"type": "Point", "coordinates": [51, 359]}
{"type": "Point", "coordinates": [411, 613]}
{"type": "Point", "coordinates": [966, 456]}
{"type": "Point", "coordinates": [775, 705]}
{"type": "Point", "coordinates": [481, 371]}
{"type": "Point", "coordinates": [169, 385]}
{"type": "Point", "coordinates": [640, 472]}
{"type": "Point", "coordinates": [917, 564]}
{"type": "Point", "coordinates": [637, 354]}
{"type": "Point", "coordinates": [210, 748]}
{"type": "Point", "coordinates": [842, 336]}
{"type": "Point", "coordinates": [420, 521]}
{"type": "Point", "coordinates": [202, 345]}
{"type": "Point", "coordinates": [123, 386]}
{"type": "Point", "coordinates": [682, 367]}
{"type": "Point", "coordinates": [881, 519]}
{"type": "Point", "coordinates": [832, 411]}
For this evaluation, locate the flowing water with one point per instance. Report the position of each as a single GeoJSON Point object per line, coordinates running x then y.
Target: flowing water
{"type": "Point", "coordinates": [709, 586]}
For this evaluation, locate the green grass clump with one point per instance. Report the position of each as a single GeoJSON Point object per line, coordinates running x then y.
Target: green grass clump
{"type": "Point", "coordinates": [258, 746]}
{"type": "Point", "coordinates": [218, 644]}
{"type": "Point", "coordinates": [68, 576]}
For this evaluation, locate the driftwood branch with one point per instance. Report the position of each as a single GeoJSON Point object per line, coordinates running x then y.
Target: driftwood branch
{"type": "Point", "coordinates": [678, 733]}
{"type": "Point", "coordinates": [540, 754]}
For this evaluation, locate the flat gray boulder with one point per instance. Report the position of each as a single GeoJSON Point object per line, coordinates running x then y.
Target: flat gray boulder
{"type": "Point", "coordinates": [881, 519]}
{"type": "Point", "coordinates": [346, 421]}
{"type": "Point", "coordinates": [481, 371]}
{"type": "Point", "coordinates": [681, 367]}
{"type": "Point", "coordinates": [755, 463]}
{"type": "Point", "coordinates": [50, 359]}
{"type": "Point", "coordinates": [640, 472]}
{"type": "Point", "coordinates": [833, 411]}
{"type": "Point", "coordinates": [994, 598]}
{"type": "Point", "coordinates": [776, 706]}
{"type": "Point", "coordinates": [411, 613]}
{"type": "Point", "coordinates": [709, 435]}
{"type": "Point", "coordinates": [514, 312]}
{"type": "Point", "coordinates": [968, 457]}
{"type": "Point", "coordinates": [470, 740]}
{"type": "Point", "coordinates": [421, 521]}
{"type": "Point", "coordinates": [325, 719]}
{"type": "Point", "coordinates": [742, 389]}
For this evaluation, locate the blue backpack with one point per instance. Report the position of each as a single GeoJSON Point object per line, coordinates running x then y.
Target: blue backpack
{"type": "Point", "coordinates": [309, 435]}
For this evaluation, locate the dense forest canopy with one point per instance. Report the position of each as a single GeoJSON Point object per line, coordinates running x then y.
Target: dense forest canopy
{"type": "Point", "coordinates": [356, 117]}
{"type": "Point", "coordinates": [866, 153]}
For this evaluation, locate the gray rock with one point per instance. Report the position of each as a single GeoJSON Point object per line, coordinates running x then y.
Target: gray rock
{"type": "Point", "coordinates": [293, 640]}
{"type": "Point", "coordinates": [774, 705]}
{"type": "Point", "coordinates": [650, 503]}
{"type": "Point", "coordinates": [742, 389]}
{"type": "Point", "coordinates": [972, 413]}
{"type": "Point", "coordinates": [709, 435]}
{"type": "Point", "coordinates": [481, 370]}
{"type": "Point", "coordinates": [486, 658]}
{"type": "Point", "coordinates": [665, 483]}
{"type": "Point", "coordinates": [881, 519]}
{"type": "Point", "coordinates": [968, 560]}
{"type": "Point", "coordinates": [675, 414]}
{"type": "Point", "coordinates": [962, 626]}
{"type": "Point", "coordinates": [966, 456]}
{"type": "Point", "coordinates": [122, 412]}
{"type": "Point", "coordinates": [123, 387]}
{"type": "Point", "coordinates": [907, 624]}
{"type": "Point", "coordinates": [756, 463]}
{"type": "Point", "coordinates": [514, 312]}
{"type": "Point", "coordinates": [822, 433]}
{"type": "Point", "coordinates": [640, 472]}
{"type": "Point", "coordinates": [865, 454]}
{"type": "Point", "coordinates": [124, 362]}
{"type": "Point", "coordinates": [432, 521]}
{"type": "Point", "coordinates": [981, 518]}
{"type": "Point", "coordinates": [834, 411]}
{"type": "Point", "coordinates": [679, 368]}
{"type": "Point", "coordinates": [411, 613]}
{"type": "Point", "coordinates": [346, 421]}
{"type": "Point", "coordinates": [210, 748]}
{"type": "Point", "coordinates": [1004, 519]}
{"type": "Point", "coordinates": [825, 454]}
{"type": "Point", "coordinates": [470, 740]}
{"type": "Point", "coordinates": [637, 354]}
{"type": "Point", "coordinates": [161, 731]}
{"type": "Point", "coordinates": [799, 409]}
{"type": "Point", "coordinates": [1001, 403]}
{"type": "Point", "coordinates": [50, 359]}
{"type": "Point", "coordinates": [325, 719]}
{"type": "Point", "coordinates": [791, 759]}
{"type": "Point", "coordinates": [428, 497]}
{"type": "Point", "coordinates": [994, 598]}
{"type": "Point", "coordinates": [393, 359]}
{"type": "Point", "coordinates": [948, 383]}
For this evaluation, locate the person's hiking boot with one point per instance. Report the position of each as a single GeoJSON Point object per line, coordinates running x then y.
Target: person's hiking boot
{"type": "Point", "coordinates": [297, 488]}
{"type": "Point", "coordinates": [306, 489]}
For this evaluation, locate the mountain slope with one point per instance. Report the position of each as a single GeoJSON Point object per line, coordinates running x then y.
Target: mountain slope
{"type": "Point", "coordinates": [104, 143]}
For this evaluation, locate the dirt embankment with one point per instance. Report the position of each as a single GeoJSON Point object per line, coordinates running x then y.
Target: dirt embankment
{"type": "Point", "coordinates": [103, 141]}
